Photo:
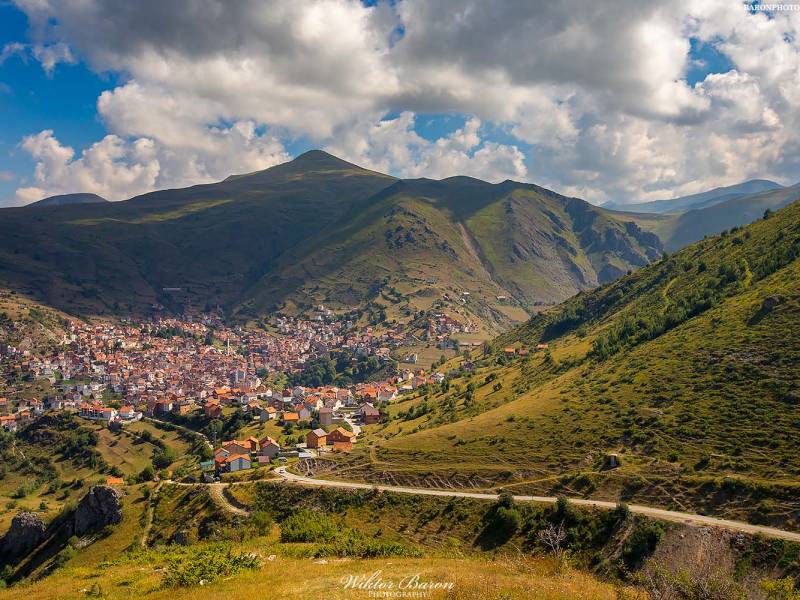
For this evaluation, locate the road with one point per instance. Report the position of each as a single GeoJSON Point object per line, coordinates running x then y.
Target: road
{"type": "Point", "coordinates": [217, 494]}
{"type": "Point", "coordinates": [657, 513]}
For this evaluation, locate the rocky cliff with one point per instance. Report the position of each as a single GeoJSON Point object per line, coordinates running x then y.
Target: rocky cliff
{"type": "Point", "coordinates": [99, 508]}
{"type": "Point", "coordinates": [27, 531]}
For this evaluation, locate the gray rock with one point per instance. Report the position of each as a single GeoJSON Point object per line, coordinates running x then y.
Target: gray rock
{"type": "Point", "coordinates": [100, 507]}
{"type": "Point", "coordinates": [26, 532]}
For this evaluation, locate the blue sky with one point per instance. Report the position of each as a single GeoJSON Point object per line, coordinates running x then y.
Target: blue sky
{"type": "Point", "coordinates": [431, 102]}
{"type": "Point", "coordinates": [31, 101]}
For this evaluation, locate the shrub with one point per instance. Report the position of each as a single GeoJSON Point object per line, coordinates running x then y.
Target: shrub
{"type": "Point", "coordinates": [308, 526]}
{"type": "Point", "coordinates": [206, 565]}
{"type": "Point", "coordinates": [64, 556]}
{"type": "Point", "coordinates": [146, 474]}
{"type": "Point", "coordinates": [354, 544]}
{"type": "Point", "coordinates": [506, 521]}
{"type": "Point", "coordinates": [162, 458]}
{"type": "Point", "coordinates": [261, 521]}
{"type": "Point", "coordinates": [641, 543]}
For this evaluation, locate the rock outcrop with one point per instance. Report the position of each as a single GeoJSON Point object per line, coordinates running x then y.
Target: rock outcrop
{"type": "Point", "coordinates": [27, 531]}
{"type": "Point", "coordinates": [100, 507]}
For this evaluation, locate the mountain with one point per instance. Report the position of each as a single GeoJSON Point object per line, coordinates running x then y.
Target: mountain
{"type": "Point", "coordinates": [321, 230]}
{"type": "Point", "coordinates": [68, 199]}
{"type": "Point", "coordinates": [700, 200]}
{"type": "Point", "coordinates": [677, 230]}
{"type": "Point", "coordinates": [211, 240]}
{"type": "Point", "coordinates": [685, 372]}
{"type": "Point", "coordinates": [458, 235]}
{"type": "Point", "coordinates": [699, 222]}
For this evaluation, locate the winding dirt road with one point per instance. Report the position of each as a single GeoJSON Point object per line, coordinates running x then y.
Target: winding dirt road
{"type": "Point", "coordinates": [657, 513]}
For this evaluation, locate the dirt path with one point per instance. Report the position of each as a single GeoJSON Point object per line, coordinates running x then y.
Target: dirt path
{"type": "Point", "coordinates": [217, 494]}
{"type": "Point", "coordinates": [657, 513]}
{"type": "Point", "coordinates": [182, 428]}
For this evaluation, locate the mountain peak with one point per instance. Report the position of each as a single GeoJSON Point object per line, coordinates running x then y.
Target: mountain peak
{"type": "Point", "coordinates": [320, 158]}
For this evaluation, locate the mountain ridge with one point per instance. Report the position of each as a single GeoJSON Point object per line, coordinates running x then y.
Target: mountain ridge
{"type": "Point", "coordinates": [665, 369]}
{"type": "Point", "coordinates": [698, 200]}
{"type": "Point", "coordinates": [251, 242]}
{"type": "Point", "coordinates": [67, 200]}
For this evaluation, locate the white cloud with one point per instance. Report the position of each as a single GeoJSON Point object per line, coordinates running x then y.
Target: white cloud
{"type": "Point", "coordinates": [118, 169]}
{"type": "Point", "coordinates": [49, 55]}
{"type": "Point", "coordinates": [393, 146]}
{"type": "Point", "coordinates": [598, 89]}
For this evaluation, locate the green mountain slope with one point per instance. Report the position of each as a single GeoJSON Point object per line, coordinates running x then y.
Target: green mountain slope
{"type": "Point", "coordinates": [483, 245]}
{"type": "Point", "coordinates": [212, 241]}
{"type": "Point", "coordinates": [687, 370]}
{"type": "Point", "coordinates": [320, 230]}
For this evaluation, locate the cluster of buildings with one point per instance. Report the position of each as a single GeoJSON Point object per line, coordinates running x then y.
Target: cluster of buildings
{"type": "Point", "coordinates": [239, 455]}
{"type": "Point", "coordinates": [118, 372]}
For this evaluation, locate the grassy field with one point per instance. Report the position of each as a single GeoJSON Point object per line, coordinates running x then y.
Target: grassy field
{"type": "Point", "coordinates": [115, 566]}
{"type": "Point", "coordinates": [302, 541]}
{"type": "Point", "coordinates": [37, 476]}
{"type": "Point", "coordinates": [292, 578]}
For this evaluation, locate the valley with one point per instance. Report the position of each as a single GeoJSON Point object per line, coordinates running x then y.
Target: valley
{"type": "Point", "coordinates": [418, 343]}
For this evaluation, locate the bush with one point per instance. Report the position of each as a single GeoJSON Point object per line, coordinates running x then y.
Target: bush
{"type": "Point", "coordinates": [206, 565]}
{"type": "Point", "coordinates": [262, 522]}
{"type": "Point", "coordinates": [163, 457]}
{"type": "Point", "coordinates": [622, 511]}
{"type": "Point", "coordinates": [354, 544]}
{"type": "Point", "coordinates": [642, 543]}
{"type": "Point", "coordinates": [63, 557]}
{"type": "Point", "coordinates": [308, 526]}
{"type": "Point", "coordinates": [146, 474]}
{"type": "Point", "coordinates": [506, 521]}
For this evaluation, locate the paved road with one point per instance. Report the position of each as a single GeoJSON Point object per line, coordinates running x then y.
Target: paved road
{"type": "Point", "coordinates": [658, 513]}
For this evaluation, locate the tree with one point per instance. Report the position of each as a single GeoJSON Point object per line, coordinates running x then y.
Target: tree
{"type": "Point", "coordinates": [163, 457]}
{"type": "Point", "coordinates": [506, 522]}
{"type": "Point", "coordinates": [552, 538]}
{"type": "Point", "coordinates": [146, 474]}
{"type": "Point", "coordinates": [505, 499]}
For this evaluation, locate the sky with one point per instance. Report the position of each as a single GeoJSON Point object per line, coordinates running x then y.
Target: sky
{"type": "Point", "coordinates": [630, 100]}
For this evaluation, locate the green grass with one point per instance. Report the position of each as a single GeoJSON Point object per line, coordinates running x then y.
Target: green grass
{"type": "Point", "coordinates": [700, 405]}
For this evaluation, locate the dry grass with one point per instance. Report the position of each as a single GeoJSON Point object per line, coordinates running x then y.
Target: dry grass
{"type": "Point", "coordinates": [288, 578]}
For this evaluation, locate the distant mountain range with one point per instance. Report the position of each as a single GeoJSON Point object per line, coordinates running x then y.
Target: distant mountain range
{"type": "Point", "coordinates": [678, 229]}
{"type": "Point", "coordinates": [68, 199]}
{"type": "Point", "coordinates": [320, 230]}
{"type": "Point", "coordinates": [701, 200]}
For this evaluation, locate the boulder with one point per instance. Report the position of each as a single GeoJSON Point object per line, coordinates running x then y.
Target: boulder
{"type": "Point", "coordinates": [100, 507]}
{"type": "Point", "coordinates": [27, 531]}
